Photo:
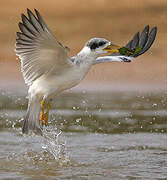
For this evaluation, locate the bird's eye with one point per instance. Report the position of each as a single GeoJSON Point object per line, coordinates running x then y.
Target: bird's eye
{"type": "Point", "coordinates": [93, 46]}
{"type": "Point", "coordinates": [101, 43]}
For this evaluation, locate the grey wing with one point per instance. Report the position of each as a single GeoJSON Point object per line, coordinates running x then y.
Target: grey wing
{"type": "Point", "coordinates": [144, 41]}
{"type": "Point", "coordinates": [38, 49]}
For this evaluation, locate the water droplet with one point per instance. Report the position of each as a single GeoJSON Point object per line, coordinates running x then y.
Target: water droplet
{"type": "Point", "coordinates": [83, 91]}
{"type": "Point", "coordinates": [154, 118]}
{"type": "Point", "coordinates": [100, 110]}
{"type": "Point", "coordinates": [78, 120]}
{"type": "Point", "coordinates": [154, 105]}
{"type": "Point", "coordinates": [13, 125]}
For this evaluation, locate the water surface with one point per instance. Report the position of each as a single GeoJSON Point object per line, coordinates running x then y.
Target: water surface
{"type": "Point", "coordinates": [111, 135]}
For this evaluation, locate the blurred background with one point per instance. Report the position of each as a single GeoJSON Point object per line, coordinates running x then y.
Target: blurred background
{"type": "Point", "coordinates": [119, 134]}
{"type": "Point", "coordinates": [75, 22]}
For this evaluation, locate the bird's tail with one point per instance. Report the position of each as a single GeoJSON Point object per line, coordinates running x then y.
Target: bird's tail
{"type": "Point", "coordinates": [31, 120]}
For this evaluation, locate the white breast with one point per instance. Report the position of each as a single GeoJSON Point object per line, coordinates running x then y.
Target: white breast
{"type": "Point", "coordinates": [49, 86]}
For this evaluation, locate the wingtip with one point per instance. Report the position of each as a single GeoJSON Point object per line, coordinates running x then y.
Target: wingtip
{"type": "Point", "coordinates": [17, 34]}
{"type": "Point", "coordinates": [36, 11]}
{"type": "Point", "coordinates": [154, 31]}
{"type": "Point", "coordinates": [20, 24]}
{"type": "Point", "coordinates": [146, 29]}
{"type": "Point", "coordinates": [23, 17]}
{"type": "Point", "coordinates": [150, 41]}
{"type": "Point", "coordinates": [29, 11]}
{"type": "Point", "coordinates": [155, 28]}
{"type": "Point", "coordinates": [137, 34]}
{"type": "Point", "coordinates": [147, 26]}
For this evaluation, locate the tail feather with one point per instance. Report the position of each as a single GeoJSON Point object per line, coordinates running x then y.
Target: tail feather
{"type": "Point", "coordinates": [31, 120]}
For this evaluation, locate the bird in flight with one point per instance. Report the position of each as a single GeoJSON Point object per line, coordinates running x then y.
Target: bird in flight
{"type": "Point", "coordinates": [48, 70]}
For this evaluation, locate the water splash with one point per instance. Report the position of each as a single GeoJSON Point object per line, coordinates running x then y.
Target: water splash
{"type": "Point", "coordinates": [55, 144]}
{"type": "Point", "coordinates": [39, 150]}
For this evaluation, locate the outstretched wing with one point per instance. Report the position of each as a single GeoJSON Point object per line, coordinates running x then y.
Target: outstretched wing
{"type": "Point", "coordinates": [38, 49]}
{"type": "Point", "coordinates": [143, 41]}
{"type": "Point", "coordinates": [138, 45]}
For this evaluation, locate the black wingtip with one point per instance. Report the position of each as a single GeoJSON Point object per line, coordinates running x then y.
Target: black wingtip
{"type": "Point", "coordinates": [155, 29]}
{"type": "Point", "coordinates": [23, 17]}
{"type": "Point", "coordinates": [37, 12]}
{"type": "Point", "coordinates": [126, 60]}
{"type": "Point", "coordinates": [20, 25]}
{"type": "Point", "coordinates": [28, 10]}
{"type": "Point", "coordinates": [147, 27]}
{"type": "Point", "coordinates": [17, 34]}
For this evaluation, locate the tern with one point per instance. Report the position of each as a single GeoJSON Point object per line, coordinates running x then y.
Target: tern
{"type": "Point", "coordinates": [48, 70]}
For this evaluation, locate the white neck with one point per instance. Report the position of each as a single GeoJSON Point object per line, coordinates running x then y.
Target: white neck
{"type": "Point", "coordinates": [86, 52]}
{"type": "Point", "coordinates": [86, 56]}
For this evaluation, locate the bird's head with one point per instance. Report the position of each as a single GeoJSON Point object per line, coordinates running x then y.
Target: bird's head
{"type": "Point", "coordinates": [99, 46]}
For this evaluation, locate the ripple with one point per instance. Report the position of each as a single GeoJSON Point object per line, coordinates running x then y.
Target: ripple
{"type": "Point", "coordinates": [129, 148]}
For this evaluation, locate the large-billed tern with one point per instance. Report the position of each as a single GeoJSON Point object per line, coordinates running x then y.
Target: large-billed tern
{"type": "Point", "coordinates": [48, 70]}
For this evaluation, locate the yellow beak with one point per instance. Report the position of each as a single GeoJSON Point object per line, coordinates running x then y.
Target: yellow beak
{"type": "Point", "coordinates": [112, 48]}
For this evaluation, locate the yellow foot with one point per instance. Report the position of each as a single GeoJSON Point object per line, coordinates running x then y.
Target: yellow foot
{"type": "Point", "coordinates": [43, 119]}
{"type": "Point", "coordinates": [47, 114]}
{"type": "Point", "coordinates": [44, 116]}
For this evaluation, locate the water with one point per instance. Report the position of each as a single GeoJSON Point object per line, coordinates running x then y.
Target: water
{"type": "Point", "coordinates": [111, 135]}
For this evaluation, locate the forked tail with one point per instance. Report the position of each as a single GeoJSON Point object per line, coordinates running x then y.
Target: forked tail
{"type": "Point", "coordinates": [31, 120]}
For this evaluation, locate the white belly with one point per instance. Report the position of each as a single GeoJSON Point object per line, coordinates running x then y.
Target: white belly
{"type": "Point", "coordinates": [50, 85]}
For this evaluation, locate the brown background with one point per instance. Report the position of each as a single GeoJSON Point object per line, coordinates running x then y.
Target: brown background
{"type": "Point", "coordinates": [76, 21]}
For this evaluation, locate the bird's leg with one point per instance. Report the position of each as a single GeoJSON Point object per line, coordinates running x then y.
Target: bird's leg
{"type": "Point", "coordinates": [42, 112]}
{"type": "Point", "coordinates": [46, 115]}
